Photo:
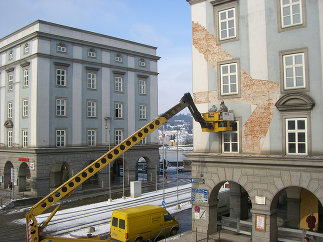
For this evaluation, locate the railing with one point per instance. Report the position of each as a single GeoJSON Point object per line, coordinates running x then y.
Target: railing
{"type": "Point", "coordinates": [236, 225]}
{"type": "Point", "coordinates": [297, 235]}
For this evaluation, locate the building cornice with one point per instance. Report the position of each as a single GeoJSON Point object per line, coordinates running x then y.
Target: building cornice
{"type": "Point", "coordinates": [75, 29]}
{"type": "Point", "coordinates": [191, 2]}
{"type": "Point", "coordinates": [46, 36]}
{"type": "Point", "coordinates": [220, 2]}
{"type": "Point", "coordinates": [257, 160]}
{"type": "Point", "coordinates": [80, 61]}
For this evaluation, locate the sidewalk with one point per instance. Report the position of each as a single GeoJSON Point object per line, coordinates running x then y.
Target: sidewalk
{"type": "Point", "coordinates": [224, 236]}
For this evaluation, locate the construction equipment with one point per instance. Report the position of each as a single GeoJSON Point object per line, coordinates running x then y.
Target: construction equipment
{"type": "Point", "coordinates": [34, 230]}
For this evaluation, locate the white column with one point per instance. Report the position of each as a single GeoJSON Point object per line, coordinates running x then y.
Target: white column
{"type": "Point", "coordinates": [106, 102]}
{"type": "Point", "coordinates": [39, 102]}
{"type": "Point", "coordinates": [257, 39]}
{"type": "Point", "coordinates": [153, 105]}
{"type": "Point", "coordinates": [3, 106]}
{"type": "Point", "coordinates": [131, 104]}
{"type": "Point", "coordinates": [77, 104]}
{"type": "Point", "coordinates": [17, 115]}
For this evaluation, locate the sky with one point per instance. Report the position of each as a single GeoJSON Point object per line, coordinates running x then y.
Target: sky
{"type": "Point", "coordinates": [165, 24]}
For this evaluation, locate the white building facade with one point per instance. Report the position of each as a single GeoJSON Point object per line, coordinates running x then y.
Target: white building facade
{"type": "Point", "coordinates": [264, 59]}
{"type": "Point", "coordinates": [66, 92]}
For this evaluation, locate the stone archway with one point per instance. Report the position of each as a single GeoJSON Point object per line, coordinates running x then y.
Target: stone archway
{"type": "Point", "coordinates": [117, 171]}
{"type": "Point", "coordinates": [59, 174]}
{"type": "Point", "coordinates": [294, 204]}
{"type": "Point", "coordinates": [7, 173]}
{"type": "Point", "coordinates": [24, 178]}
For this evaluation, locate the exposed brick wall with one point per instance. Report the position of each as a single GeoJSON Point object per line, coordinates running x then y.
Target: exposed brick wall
{"type": "Point", "coordinates": [261, 93]}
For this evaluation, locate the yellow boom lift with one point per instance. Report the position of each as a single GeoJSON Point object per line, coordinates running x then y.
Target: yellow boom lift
{"type": "Point", "coordinates": [210, 122]}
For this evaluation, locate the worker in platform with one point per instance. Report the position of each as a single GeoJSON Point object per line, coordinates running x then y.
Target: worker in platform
{"type": "Point", "coordinates": [311, 220]}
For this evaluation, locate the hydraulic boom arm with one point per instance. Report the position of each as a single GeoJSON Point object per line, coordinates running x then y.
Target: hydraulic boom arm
{"type": "Point", "coordinates": [34, 230]}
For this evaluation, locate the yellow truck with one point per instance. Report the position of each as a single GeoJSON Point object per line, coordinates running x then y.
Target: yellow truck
{"type": "Point", "coordinates": [141, 223]}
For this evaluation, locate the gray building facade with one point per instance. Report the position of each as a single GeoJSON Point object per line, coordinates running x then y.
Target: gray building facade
{"type": "Point", "coordinates": [264, 60]}
{"type": "Point", "coordinates": [66, 96]}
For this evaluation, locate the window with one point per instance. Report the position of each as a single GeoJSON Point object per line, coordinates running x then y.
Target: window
{"type": "Point", "coordinates": [118, 83]}
{"type": "Point", "coordinates": [26, 49]}
{"type": "Point", "coordinates": [24, 138]}
{"type": "Point", "coordinates": [168, 217]}
{"type": "Point", "coordinates": [227, 24]}
{"type": "Point", "coordinates": [10, 82]}
{"type": "Point", "coordinates": [118, 110]}
{"type": "Point", "coordinates": [9, 110]}
{"type": "Point", "coordinates": [26, 78]}
{"type": "Point", "coordinates": [91, 53]}
{"type": "Point", "coordinates": [115, 222]}
{"type": "Point", "coordinates": [230, 140]}
{"type": "Point", "coordinates": [118, 136]}
{"type": "Point", "coordinates": [91, 137]}
{"type": "Point", "coordinates": [118, 58]}
{"type": "Point", "coordinates": [229, 78]}
{"type": "Point", "coordinates": [11, 55]}
{"type": "Point", "coordinates": [291, 13]}
{"type": "Point", "coordinates": [142, 111]}
{"type": "Point", "coordinates": [294, 71]}
{"type": "Point", "coordinates": [91, 80]}
{"type": "Point", "coordinates": [122, 224]}
{"type": "Point", "coordinates": [61, 105]}
{"type": "Point", "coordinates": [61, 48]}
{"type": "Point", "coordinates": [9, 138]}
{"type": "Point", "coordinates": [142, 62]}
{"type": "Point", "coordinates": [142, 87]}
{"type": "Point", "coordinates": [296, 136]}
{"type": "Point", "coordinates": [25, 108]}
{"type": "Point", "coordinates": [60, 138]}
{"type": "Point", "coordinates": [91, 109]}
{"type": "Point", "coordinates": [61, 77]}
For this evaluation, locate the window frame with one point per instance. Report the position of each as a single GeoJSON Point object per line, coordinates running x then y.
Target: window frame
{"type": "Point", "coordinates": [90, 80]}
{"type": "Point", "coordinates": [142, 86]}
{"type": "Point", "coordinates": [9, 138]}
{"type": "Point", "coordinates": [90, 140]}
{"type": "Point", "coordinates": [9, 110]}
{"type": "Point", "coordinates": [24, 135]}
{"type": "Point", "coordinates": [142, 111]}
{"type": "Point", "coordinates": [64, 131]}
{"type": "Point", "coordinates": [219, 7]}
{"type": "Point", "coordinates": [61, 113]}
{"type": "Point", "coordinates": [282, 55]}
{"type": "Point", "coordinates": [281, 27]}
{"type": "Point", "coordinates": [61, 48]}
{"type": "Point", "coordinates": [296, 132]}
{"type": "Point", "coordinates": [118, 58]}
{"type": "Point", "coordinates": [121, 135]}
{"type": "Point", "coordinates": [238, 132]}
{"type": "Point", "coordinates": [10, 81]}
{"type": "Point", "coordinates": [25, 108]}
{"type": "Point", "coordinates": [25, 73]}
{"type": "Point", "coordinates": [120, 113]}
{"type": "Point", "coordinates": [118, 83]}
{"type": "Point", "coordinates": [60, 83]}
{"type": "Point", "coordinates": [220, 79]}
{"type": "Point", "coordinates": [91, 111]}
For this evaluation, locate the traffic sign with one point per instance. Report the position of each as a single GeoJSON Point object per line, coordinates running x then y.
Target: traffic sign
{"type": "Point", "coordinates": [197, 209]}
{"type": "Point", "coordinates": [163, 203]}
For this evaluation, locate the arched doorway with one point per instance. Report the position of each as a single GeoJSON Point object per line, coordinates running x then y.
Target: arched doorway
{"type": "Point", "coordinates": [59, 174]}
{"type": "Point", "coordinates": [294, 206]}
{"type": "Point", "coordinates": [230, 203]}
{"type": "Point", "coordinates": [93, 181]}
{"type": "Point", "coordinates": [24, 178]}
{"type": "Point", "coordinates": [7, 173]}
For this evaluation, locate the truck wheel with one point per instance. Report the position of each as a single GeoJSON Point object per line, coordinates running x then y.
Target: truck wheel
{"type": "Point", "coordinates": [139, 240]}
{"type": "Point", "coordinates": [173, 231]}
